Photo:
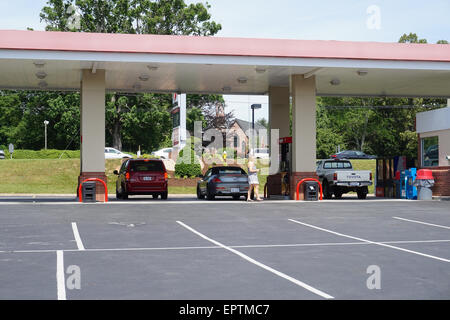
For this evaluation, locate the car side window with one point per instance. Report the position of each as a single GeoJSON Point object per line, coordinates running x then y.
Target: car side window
{"type": "Point", "coordinates": [208, 173]}
{"type": "Point", "coordinates": [124, 167]}
{"type": "Point", "coordinates": [318, 165]}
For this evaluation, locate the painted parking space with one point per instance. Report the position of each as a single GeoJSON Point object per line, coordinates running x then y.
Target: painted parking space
{"type": "Point", "coordinates": [35, 237]}
{"type": "Point", "coordinates": [176, 274]}
{"type": "Point", "coordinates": [28, 276]}
{"type": "Point", "coordinates": [228, 251]}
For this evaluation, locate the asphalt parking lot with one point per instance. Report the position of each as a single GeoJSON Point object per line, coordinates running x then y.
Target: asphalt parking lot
{"type": "Point", "coordinates": [55, 248]}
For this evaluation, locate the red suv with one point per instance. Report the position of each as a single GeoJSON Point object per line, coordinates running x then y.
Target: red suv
{"type": "Point", "coordinates": [142, 177]}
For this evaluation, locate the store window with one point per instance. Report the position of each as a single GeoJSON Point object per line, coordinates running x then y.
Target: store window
{"type": "Point", "coordinates": [430, 152]}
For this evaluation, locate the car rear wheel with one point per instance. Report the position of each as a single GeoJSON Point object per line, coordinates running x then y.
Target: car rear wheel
{"type": "Point", "coordinates": [155, 196]}
{"type": "Point", "coordinates": [164, 195]}
{"type": "Point", "coordinates": [236, 197]}
{"type": "Point", "coordinates": [200, 196]}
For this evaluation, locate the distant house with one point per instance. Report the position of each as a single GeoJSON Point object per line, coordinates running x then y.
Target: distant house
{"type": "Point", "coordinates": [237, 136]}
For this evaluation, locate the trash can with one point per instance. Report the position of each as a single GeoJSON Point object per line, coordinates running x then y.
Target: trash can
{"type": "Point", "coordinates": [424, 182]}
{"type": "Point", "coordinates": [88, 191]}
{"type": "Point", "coordinates": [311, 191]}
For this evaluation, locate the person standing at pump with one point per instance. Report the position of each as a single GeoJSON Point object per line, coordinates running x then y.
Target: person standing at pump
{"type": "Point", "coordinates": [252, 179]}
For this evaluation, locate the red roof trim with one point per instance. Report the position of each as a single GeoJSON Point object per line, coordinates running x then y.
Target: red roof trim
{"type": "Point", "coordinates": [161, 44]}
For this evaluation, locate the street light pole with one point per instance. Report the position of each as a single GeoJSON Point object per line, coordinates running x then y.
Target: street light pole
{"type": "Point", "coordinates": [254, 106]}
{"type": "Point", "coordinates": [45, 124]}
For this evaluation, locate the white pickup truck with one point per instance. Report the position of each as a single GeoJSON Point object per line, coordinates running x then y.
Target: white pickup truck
{"type": "Point", "coordinates": [338, 177]}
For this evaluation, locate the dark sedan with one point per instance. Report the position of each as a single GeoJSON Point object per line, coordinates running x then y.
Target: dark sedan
{"type": "Point", "coordinates": [223, 181]}
{"type": "Point", "coordinates": [351, 154]}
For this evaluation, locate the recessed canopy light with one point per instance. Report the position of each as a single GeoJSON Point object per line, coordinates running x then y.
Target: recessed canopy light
{"type": "Point", "coordinates": [152, 68]}
{"type": "Point", "coordinates": [41, 75]}
{"type": "Point", "coordinates": [242, 80]}
{"type": "Point", "coordinates": [137, 86]}
{"type": "Point", "coordinates": [335, 82]}
{"type": "Point", "coordinates": [39, 64]}
{"type": "Point", "coordinates": [226, 89]}
{"type": "Point", "coordinates": [260, 70]}
{"type": "Point", "coordinates": [363, 72]}
{"type": "Point", "coordinates": [144, 77]}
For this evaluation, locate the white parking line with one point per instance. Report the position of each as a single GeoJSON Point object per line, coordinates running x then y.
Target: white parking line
{"type": "Point", "coordinates": [76, 234]}
{"type": "Point", "coordinates": [250, 246]}
{"type": "Point", "coordinates": [421, 222]}
{"type": "Point", "coordinates": [372, 242]}
{"type": "Point", "coordinates": [60, 279]}
{"type": "Point", "coordinates": [259, 264]}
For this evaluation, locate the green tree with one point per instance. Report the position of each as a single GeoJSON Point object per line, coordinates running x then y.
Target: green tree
{"type": "Point", "coordinates": [263, 122]}
{"type": "Point", "coordinates": [411, 38]}
{"type": "Point", "coordinates": [23, 113]}
{"type": "Point", "coordinates": [166, 17]}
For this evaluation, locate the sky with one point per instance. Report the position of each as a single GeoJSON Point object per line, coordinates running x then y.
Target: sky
{"type": "Point", "coordinates": [351, 20]}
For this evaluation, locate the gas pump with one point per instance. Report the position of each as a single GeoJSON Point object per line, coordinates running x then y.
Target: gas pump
{"type": "Point", "coordinates": [285, 164]}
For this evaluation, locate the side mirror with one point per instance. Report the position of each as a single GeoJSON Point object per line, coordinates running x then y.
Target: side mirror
{"type": "Point", "coordinates": [116, 172]}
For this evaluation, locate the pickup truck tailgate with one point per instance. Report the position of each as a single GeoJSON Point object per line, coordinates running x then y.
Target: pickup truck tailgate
{"type": "Point", "coordinates": [353, 176]}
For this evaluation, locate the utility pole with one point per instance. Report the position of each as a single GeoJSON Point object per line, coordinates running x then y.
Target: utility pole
{"type": "Point", "coordinates": [46, 124]}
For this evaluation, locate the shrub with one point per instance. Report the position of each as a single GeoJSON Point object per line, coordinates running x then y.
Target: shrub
{"type": "Point", "coordinates": [188, 169]}
{"type": "Point", "coordinates": [191, 168]}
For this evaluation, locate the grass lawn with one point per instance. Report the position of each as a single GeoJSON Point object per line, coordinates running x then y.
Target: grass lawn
{"type": "Point", "coordinates": [55, 176]}
{"type": "Point", "coordinates": [60, 176]}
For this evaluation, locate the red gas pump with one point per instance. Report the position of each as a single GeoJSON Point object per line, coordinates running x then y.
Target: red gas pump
{"type": "Point", "coordinates": [278, 185]}
{"type": "Point", "coordinates": [285, 164]}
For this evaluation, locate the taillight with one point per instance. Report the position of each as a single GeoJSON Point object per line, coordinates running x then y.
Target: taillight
{"type": "Point", "coordinates": [335, 176]}
{"type": "Point", "coordinates": [333, 156]}
{"type": "Point", "coordinates": [127, 176]}
{"type": "Point", "coordinates": [166, 176]}
{"type": "Point", "coordinates": [217, 180]}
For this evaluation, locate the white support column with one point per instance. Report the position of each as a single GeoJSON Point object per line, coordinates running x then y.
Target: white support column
{"type": "Point", "coordinates": [279, 110]}
{"type": "Point", "coordinates": [93, 126]}
{"type": "Point", "coordinates": [279, 119]}
{"type": "Point", "coordinates": [303, 123]}
{"type": "Point", "coordinates": [303, 130]}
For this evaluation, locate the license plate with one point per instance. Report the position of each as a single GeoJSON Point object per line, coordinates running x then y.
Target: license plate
{"type": "Point", "coordinates": [354, 184]}
{"type": "Point", "coordinates": [147, 178]}
{"type": "Point", "coordinates": [235, 190]}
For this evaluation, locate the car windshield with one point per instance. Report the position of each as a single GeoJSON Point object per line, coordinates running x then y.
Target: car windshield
{"type": "Point", "coordinates": [142, 166]}
{"type": "Point", "coordinates": [337, 165]}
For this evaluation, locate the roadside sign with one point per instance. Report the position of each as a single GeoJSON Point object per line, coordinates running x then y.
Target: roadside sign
{"type": "Point", "coordinates": [11, 149]}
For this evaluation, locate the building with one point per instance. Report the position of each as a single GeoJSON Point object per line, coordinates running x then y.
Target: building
{"type": "Point", "coordinates": [291, 72]}
{"type": "Point", "coordinates": [433, 128]}
{"type": "Point", "coordinates": [238, 136]}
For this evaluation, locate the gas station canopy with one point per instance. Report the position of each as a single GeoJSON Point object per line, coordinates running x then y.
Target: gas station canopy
{"type": "Point", "coordinates": [158, 63]}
